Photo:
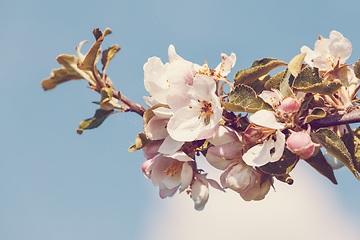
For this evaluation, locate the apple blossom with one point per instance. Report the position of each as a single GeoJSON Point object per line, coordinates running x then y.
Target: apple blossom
{"type": "Point", "coordinates": [169, 173]}
{"type": "Point", "coordinates": [160, 79]}
{"type": "Point", "coordinates": [222, 70]}
{"type": "Point", "coordinates": [197, 114]}
{"type": "Point", "coordinates": [265, 124]}
{"type": "Point", "coordinates": [200, 190]}
{"type": "Point", "coordinates": [300, 143]}
{"type": "Point", "coordinates": [258, 190]}
{"type": "Point", "coordinates": [328, 52]}
{"type": "Point", "coordinates": [227, 148]}
{"type": "Point", "coordinates": [239, 177]}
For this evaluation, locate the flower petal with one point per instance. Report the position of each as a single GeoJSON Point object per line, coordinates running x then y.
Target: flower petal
{"type": "Point", "coordinates": [170, 146]}
{"type": "Point", "coordinates": [259, 155]}
{"type": "Point", "coordinates": [279, 147]}
{"type": "Point", "coordinates": [186, 176]}
{"type": "Point", "coordinates": [184, 125]}
{"type": "Point", "coordinates": [265, 118]}
{"type": "Point", "coordinates": [200, 194]}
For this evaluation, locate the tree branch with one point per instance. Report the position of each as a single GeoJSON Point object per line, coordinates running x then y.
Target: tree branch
{"type": "Point", "coordinates": [347, 118]}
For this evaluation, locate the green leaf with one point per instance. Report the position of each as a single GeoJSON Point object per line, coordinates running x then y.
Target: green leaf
{"type": "Point", "coordinates": [285, 84]}
{"type": "Point", "coordinates": [244, 99]}
{"type": "Point", "coordinates": [141, 141]}
{"type": "Point", "coordinates": [258, 84]}
{"type": "Point", "coordinates": [258, 69]}
{"type": "Point", "coordinates": [306, 101]}
{"type": "Point", "coordinates": [282, 167]}
{"type": "Point", "coordinates": [357, 69]}
{"type": "Point", "coordinates": [320, 164]}
{"type": "Point", "coordinates": [309, 80]}
{"type": "Point", "coordinates": [336, 147]}
{"type": "Point", "coordinates": [352, 143]}
{"type": "Point", "coordinates": [316, 113]}
{"type": "Point", "coordinates": [96, 121]}
{"type": "Point", "coordinates": [274, 82]}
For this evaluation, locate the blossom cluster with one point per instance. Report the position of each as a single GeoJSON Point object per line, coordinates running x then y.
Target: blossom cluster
{"type": "Point", "coordinates": [254, 129]}
{"type": "Point", "coordinates": [187, 116]}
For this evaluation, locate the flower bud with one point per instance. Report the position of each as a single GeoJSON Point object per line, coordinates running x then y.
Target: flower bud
{"type": "Point", "coordinates": [289, 105]}
{"type": "Point", "coordinates": [258, 191]}
{"type": "Point", "coordinates": [300, 143]}
{"type": "Point", "coordinates": [240, 178]}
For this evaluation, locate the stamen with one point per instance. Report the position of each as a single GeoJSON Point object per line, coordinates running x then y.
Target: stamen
{"type": "Point", "coordinates": [174, 168]}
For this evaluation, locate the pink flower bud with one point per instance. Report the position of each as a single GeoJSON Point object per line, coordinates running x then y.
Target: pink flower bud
{"type": "Point", "coordinates": [300, 143]}
{"type": "Point", "coordinates": [289, 105]}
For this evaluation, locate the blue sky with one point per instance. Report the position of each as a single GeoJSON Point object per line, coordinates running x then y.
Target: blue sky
{"type": "Point", "coordinates": [55, 184]}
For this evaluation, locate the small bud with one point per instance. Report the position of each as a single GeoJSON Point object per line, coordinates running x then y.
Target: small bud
{"type": "Point", "coordinates": [289, 105]}
{"type": "Point", "coordinates": [300, 143]}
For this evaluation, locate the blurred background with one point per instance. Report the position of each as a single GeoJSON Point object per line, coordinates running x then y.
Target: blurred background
{"type": "Point", "coordinates": [56, 184]}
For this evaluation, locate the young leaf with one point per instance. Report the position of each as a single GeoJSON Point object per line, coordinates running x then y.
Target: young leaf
{"type": "Point", "coordinates": [285, 83]}
{"type": "Point", "coordinates": [97, 120]}
{"type": "Point", "coordinates": [258, 69]}
{"type": "Point", "coordinates": [320, 164]}
{"type": "Point", "coordinates": [244, 99]}
{"type": "Point", "coordinates": [141, 141]}
{"type": "Point", "coordinates": [282, 167]}
{"type": "Point", "coordinates": [107, 55]}
{"type": "Point", "coordinates": [108, 102]}
{"type": "Point", "coordinates": [357, 69]}
{"type": "Point", "coordinates": [295, 64]}
{"type": "Point", "coordinates": [69, 71]}
{"type": "Point", "coordinates": [336, 147]}
{"type": "Point", "coordinates": [316, 113]}
{"type": "Point", "coordinates": [309, 80]}
{"type": "Point", "coordinates": [93, 55]}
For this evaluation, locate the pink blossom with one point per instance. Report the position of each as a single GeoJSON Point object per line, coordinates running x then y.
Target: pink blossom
{"type": "Point", "coordinates": [197, 114]}
{"type": "Point", "coordinates": [300, 143]}
{"type": "Point", "coordinates": [264, 122]}
{"type": "Point", "coordinates": [227, 148]}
